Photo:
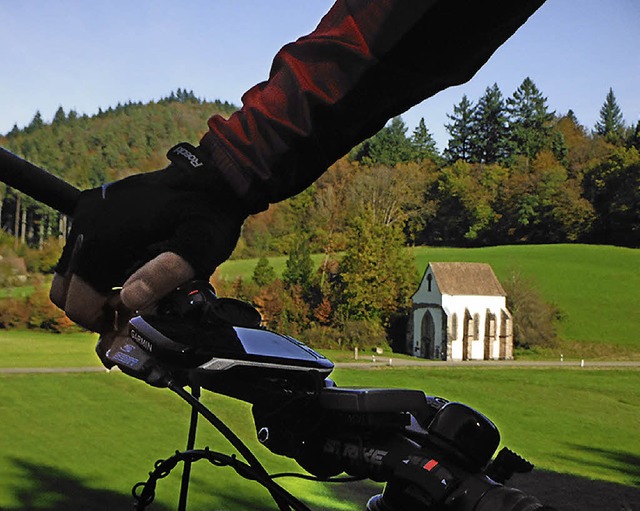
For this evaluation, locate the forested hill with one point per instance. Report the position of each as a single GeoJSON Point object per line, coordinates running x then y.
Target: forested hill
{"type": "Point", "coordinates": [513, 172]}
{"type": "Point", "coordinates": [131, 137]}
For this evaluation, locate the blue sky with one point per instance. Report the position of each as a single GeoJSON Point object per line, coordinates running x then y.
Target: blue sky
{"type": "Point", "coordinates": [84, 55]}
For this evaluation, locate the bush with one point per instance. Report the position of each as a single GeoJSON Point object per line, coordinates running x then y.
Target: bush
{"type": "Point", "coordinates": [43, 260]}
{"type": "Point", "coordinates": [319, 336]}
{"type": "Point", "coordinates": [13, 270]}
{"type": "Point", "coordinates": [35, 312]}
{"type": "Point", "coordinates": [45, 315]}
{"type": "Point", "coordinates": [363, 334]}
{"type": "Point", "coordinates": [397, 332]}
{"type": "Point", "coordinates": [360, 334]}
{"type": "Point", "coordinates": [534, 320]}
{"type": "Point", "coordinates": [13, 313]}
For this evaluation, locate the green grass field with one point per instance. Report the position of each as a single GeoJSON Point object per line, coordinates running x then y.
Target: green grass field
{"type": "Point", "coordinates": [596, 287]}
{"type": "Point", "coordinates": [80, 441]}
{"type": "Point", "coordinates": [24, 348]}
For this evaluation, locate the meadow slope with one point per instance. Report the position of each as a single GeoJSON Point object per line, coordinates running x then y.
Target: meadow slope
{"type": "Point", "coordinates": [597, 288]}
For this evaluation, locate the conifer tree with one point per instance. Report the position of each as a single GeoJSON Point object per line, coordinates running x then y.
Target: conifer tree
{"type": "Point", "coordinates": [387, 147]}
{"type": "Point", "coordinates": [571, 115]}
{"type": "Point", "coordinates": [460, 131]}
{"type": "Point", "coordinates": [60, 117]}
{"type": "Point", "coordinates": [299, 266]}
{"type": "Point", "coordinates": [490, 133]}
{"type": "Point", "coordinates": [35, 123]}
{"type": "Point", "coordinates": [530, 120]}
{"type": "Point", "coordinates": [611, 125]}
{"type": "Point", "coordinates": [423, 143]}
{"type": "Point", "coordinates": [634, 139]}
{"type": "Point", "coordinates": [263, 273]}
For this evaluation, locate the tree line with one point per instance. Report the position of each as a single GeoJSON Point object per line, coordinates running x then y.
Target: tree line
{"type": "Point", "coordinates": [512, 172]}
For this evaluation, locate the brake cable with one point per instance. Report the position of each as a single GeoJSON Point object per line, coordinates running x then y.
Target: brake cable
{"type": "Point", "coordinates": [144, 492]}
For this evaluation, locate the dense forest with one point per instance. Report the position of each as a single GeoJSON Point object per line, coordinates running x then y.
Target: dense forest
{"type": "Point", "coordinates": [513, 172]}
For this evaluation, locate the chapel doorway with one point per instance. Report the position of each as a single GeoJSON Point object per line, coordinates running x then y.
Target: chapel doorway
{"type": "Point", "coordinates": [427, 336]}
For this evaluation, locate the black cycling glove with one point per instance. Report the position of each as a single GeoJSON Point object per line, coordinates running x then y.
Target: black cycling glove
{"type": "Point", "coordinates": [182, 209]}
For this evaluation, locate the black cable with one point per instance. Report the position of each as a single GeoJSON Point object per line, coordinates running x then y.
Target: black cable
{"type": "Point", "coordinates": [282, 497]}
{"type": "Point", "coordinates": [220, 426]}
{"type": "Point", "coordinates": [144, 492]}
{"type": "Point", "coordinates": [191, 442]}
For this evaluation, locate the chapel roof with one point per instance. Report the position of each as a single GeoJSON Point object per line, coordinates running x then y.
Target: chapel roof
{"type": "Point", "coordinates": [466, 279]}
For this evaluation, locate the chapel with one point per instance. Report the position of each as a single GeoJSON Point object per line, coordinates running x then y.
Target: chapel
{"type": "Point", "coordinates": [459, 312]}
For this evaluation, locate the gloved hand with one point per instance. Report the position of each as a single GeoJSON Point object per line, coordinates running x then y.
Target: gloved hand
{"type": "Point", "coordinates": [136, 239]}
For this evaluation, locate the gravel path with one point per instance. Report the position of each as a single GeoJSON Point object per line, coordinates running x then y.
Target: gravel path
{"type": "Point", "coordinates": [381, 361]}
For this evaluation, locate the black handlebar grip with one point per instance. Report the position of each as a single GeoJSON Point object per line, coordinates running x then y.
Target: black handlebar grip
{"type": "Point", "coordinates": [37, 183]}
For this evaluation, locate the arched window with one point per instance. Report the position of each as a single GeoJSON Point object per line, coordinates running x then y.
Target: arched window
{"type": "Point", "coordinates": [429, 279]}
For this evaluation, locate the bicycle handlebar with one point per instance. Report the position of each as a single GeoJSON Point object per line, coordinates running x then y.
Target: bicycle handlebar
{"type": "Point", "coordinates": [37, 183]}
{"type": "Point", "coordinates": [437, 458]}
{"type": "Point", "coordinates": [433, 454]}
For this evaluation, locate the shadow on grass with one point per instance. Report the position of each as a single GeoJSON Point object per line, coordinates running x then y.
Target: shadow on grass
{"type": "Point", "coordinates": [613, 460]}
{"type": "Point", "coordinates": [51, 489]}
{"type": "Point", "coordinates": [571, 493]}
{"type": "Point", "coordinates": [562, 491]}
{"type": "Point", "coordinates": [44, 488]}
{"type": "Point", "coordinates": [359, 492]}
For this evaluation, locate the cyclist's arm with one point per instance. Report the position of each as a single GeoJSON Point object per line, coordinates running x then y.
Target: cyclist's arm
{"type": "Point", "coordinates": [366, 62]}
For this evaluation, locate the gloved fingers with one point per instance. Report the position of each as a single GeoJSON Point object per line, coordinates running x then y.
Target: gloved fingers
{"type": "Point", "coordinates": [59, 290]}
{"type": "Point", "coordinates": [149, 247]}
{"type": "Point", "coordinates": [81, 302]}
{"type": "Point", "coordinates": [154, 280]}
{"type": "Point", "coordinates": [62, 276]}
{"type": "Point", "coordinates": [102, 347]}
{"type": "Point", "coordinates": [87, 307]}
{"type": "Point", "coordinates": [205, 240]}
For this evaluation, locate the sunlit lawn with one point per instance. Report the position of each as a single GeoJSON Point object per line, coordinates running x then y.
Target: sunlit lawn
{"type": "Point", "coordinates": [74, 439]}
